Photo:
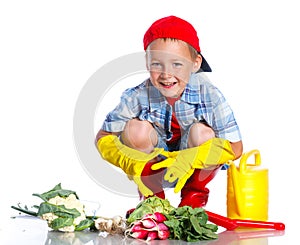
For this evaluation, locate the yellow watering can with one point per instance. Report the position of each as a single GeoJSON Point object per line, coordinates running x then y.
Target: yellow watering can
{"type": "Point", "coordinates": [248, 189]}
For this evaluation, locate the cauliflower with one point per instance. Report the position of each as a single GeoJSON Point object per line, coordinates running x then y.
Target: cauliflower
{"type": "Point", "coordinates": [69, 202]}
{"type": "Point", "coordinates": [62, 210]}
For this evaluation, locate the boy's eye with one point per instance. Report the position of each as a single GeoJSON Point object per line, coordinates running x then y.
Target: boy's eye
{"type": "Point", "coordinates": [155, 64]}
{"type": "Point", "coordinates": [177, 64]}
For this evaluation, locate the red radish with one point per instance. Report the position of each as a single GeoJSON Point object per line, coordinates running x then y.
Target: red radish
{"type": "Point", "coordinates": [152, 235]}
{"type": "Point", "coordinates": [137, 227]}
{"type": "Point", "coordinates": [159, 217]}
{"type": "Point", "coordinates": [148, 223]}
{"type": "Point", "coordinates": [162, 227]}
{"type": "Point", "coordinates": [163, 234]}
{"type": "Point", "coordinates": [146, 216]}
{"type": "Point", "coordinates": [150, 227]}
{"type": "Point", "coordinates": [142, 234]}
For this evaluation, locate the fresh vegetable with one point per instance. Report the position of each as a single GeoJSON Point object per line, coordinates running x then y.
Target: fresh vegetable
{"type": "Point", "coordinates": [153, 218]}
{"type": "Point", "coordinates": [150, 206]}
{"type": "Point", "coordinates": [62, 210]}
{"type": "Point", "coordinates": [182, 223]}
{"type": "Point", "coordinates": [115, 225]}
{"type": "Point", "coordinates": [152, 235]}
{"type": "Point", "coordinates": [190, 224]}
{"type": "Point", "coordinates": [64, 213]}
{"type": "Point", "coordinates": [149, 227]}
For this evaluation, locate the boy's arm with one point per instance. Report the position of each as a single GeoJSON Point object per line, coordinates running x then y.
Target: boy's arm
{"type": "Point", "coordinates": [237, 148]}
{"type": "Point", "coordinates": [103, 133]}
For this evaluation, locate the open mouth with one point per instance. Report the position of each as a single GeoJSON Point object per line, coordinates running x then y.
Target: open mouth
{"type": "Point", "coordinates": [167, 84]}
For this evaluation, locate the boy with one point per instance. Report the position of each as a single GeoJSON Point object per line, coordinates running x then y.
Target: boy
{"type": "Point", "coordinates": [175, 129]}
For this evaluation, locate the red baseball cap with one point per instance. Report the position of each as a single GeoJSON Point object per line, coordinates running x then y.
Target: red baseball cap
{"type": "Point", "coordinates": [174, 27]}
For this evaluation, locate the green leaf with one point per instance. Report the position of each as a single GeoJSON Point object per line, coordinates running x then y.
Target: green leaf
{"type": "Point", "coordinates": [25, 210]}
{"type": "Point", "coordinates": [183, 211]}
{"type": "Point", "coordinates": [61, 222]}
{"type": "Point", "coordinates": [208, 234]}
{"type": "Point", "coordinates": [191, 237]}
{"type": "Point", "coordinates": [84, 224]}
{"type": "Point", "coordinates": [59, 210]}
{"type": "Point", "coordinates": [56, 191]}
{"type": "Point", "coordinates": [172, 223]}
{"type": "Point", "coordinates": [211, 227]}
{"type": "Point", "coordinates": [188, 224]}
{"type": "Point", "coordinates": [150, 205]}
{"type": "Point", "coordinates": [196, 224]}
{"type": "Point", "coordinates": [203, 218]}
{"type": "Point", "coordinates": [198, 211]}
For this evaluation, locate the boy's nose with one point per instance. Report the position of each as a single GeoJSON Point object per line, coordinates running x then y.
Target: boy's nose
{"type": "Point", "coordinates": [166, 72]}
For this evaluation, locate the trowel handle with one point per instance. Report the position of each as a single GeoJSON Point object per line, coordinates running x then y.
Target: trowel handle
{"type": "Point", "coordinates": [259, 224]}
{"type": "Point", "coordinates": [221, 221]}
{"type": "Point", "coordinates": [231, 224]}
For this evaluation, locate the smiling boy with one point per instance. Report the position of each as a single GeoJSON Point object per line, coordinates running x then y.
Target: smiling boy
{"type": "Point", "coordinates": [175, 129]}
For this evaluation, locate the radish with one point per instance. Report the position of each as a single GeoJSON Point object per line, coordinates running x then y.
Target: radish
{"type": "Point", "coordinates": [149, 227]}
{"type": "Point", "coordinates": [163, 234]}
{"type": "Point", "coordinates": [162, 227]}
{"type": "Point", "coordinates": [146, 216]}
{"type": "Point", "coordinates": [148, 223]}
{"type": "Point", "coordinates": [152, 235]}
{"type": "Point", "coordinates": [142, 234]}
{"type": "Point", "coordinates": [159, 217]}
{"type": "Point", "coordinates": [137, 227]}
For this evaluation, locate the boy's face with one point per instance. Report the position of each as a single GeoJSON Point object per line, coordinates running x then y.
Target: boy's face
{"type": "Point", "coordinates": [170, 65]}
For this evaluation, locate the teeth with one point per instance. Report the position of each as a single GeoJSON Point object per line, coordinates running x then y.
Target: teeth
{"type": "Point", "coordinates": [167, 84]}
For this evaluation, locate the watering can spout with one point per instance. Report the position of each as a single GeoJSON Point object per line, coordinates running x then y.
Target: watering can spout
{"type": "Point", "coordinates": [236, 188]}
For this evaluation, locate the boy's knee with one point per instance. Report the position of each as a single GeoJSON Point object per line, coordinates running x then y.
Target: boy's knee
{"type": "Point", "coordinates": [139, 135]}
{"type": "Point", "coordinates": [199, 133]}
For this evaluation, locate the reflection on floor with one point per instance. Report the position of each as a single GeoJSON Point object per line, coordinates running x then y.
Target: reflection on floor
{"type": "Point", "coordinates": [30, 230]}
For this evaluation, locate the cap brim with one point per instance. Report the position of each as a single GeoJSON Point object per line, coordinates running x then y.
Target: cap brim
{"type": "Point", "coordinates": [204, 65]}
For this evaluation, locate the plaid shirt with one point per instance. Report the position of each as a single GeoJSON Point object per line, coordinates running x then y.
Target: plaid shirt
{"type": "Point", "coordinates": [200, 102]}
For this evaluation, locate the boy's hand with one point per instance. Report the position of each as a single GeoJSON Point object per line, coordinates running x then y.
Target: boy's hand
{"type": "Point", "coordinates": [131, 161]}
{"type": "Point", "coordinates": [142, 188]}
{"type": "Point", "coordinates": [213, 152]}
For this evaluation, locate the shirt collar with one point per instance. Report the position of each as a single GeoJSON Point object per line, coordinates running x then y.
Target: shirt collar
{"type": "Point", "coordinates": [191, 93]}
{"type": "Point", "coordinates": [156, 99]}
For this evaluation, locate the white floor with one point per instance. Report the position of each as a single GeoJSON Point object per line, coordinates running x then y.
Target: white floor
{"type": "Point", "coordinates": [33, 231]}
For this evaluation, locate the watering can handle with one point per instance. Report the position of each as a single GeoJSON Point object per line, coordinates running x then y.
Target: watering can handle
{"type": "Point", "coordinates": [244, 158]}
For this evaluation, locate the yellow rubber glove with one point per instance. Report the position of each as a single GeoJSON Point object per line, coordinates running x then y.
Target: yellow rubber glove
{"type": "Point", "coordinates": [211, 153]}
{"type": "Point", "coordinates": [131, 161]}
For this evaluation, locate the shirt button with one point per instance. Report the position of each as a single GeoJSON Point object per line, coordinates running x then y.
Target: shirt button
{"type": "Point", "coordinates": [185, 123]}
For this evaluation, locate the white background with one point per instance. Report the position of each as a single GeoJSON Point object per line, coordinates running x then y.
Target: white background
{"type": "Point", "coordinates": [49, 49]}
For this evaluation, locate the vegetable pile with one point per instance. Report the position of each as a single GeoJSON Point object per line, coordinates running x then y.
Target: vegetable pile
{"type": "Point", "coordinates": [182, 223]}
{"type": "Point", "coordinates": [152, 219]}
{"type": "Point", "coordinates": [149, 227]}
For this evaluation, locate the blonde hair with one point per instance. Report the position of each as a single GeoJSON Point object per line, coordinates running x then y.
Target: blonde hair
{"type": "Point", "coordinates": [193, 51]}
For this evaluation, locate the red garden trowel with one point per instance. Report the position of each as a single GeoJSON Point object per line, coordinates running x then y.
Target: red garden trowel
{"type": "Point", "coordinates": [232, 224]}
